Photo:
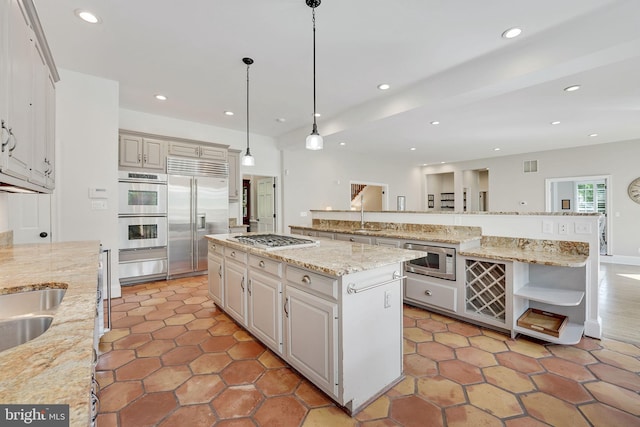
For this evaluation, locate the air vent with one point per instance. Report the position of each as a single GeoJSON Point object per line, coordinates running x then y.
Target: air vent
{"type": "Point", "coordinates": [530, 166]}
{"type": "Point", "coordinates": [197, 167]}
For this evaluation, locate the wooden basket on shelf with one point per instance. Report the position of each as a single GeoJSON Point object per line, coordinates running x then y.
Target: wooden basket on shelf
{"type": "Point", "coordinates": [543, 321]}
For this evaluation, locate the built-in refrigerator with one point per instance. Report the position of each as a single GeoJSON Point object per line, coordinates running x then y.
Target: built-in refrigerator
{"type": "Point", "coordinates": [198, 204]}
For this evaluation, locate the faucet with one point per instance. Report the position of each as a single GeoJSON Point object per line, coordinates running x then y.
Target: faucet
{"type": "Point", "coordinates": [361, 211]}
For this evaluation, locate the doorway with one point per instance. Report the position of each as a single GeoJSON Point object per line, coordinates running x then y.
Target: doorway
{"type": "Point", "coordinates": [259, 203]}
{"type": "Point", "coordinates": [582, 194]}
{"type": "Point", "coordinates": [369, 196]}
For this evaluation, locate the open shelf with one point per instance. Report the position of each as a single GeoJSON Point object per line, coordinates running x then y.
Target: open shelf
{"type": "Point", "coordinates": [554, 296]}
{"type": "Point", "coordinates": [570, 335]}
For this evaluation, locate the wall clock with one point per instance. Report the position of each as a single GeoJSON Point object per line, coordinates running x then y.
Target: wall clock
{"type": "Point", "coordinates": [634, 190]}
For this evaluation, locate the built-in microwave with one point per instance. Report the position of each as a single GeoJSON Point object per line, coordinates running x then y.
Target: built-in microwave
{"type": "Point", "coordinates": [440, 261]}
{"type": "Point", "coordinates": [142, 193]}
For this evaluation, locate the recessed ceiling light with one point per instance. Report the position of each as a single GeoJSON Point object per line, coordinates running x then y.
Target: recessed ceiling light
{"type": "Point", "coordinates": [228, 113]}
{"type": "Point", "coordinates": [160, 97]}
{"type": "Point", "coordinates": [342, 144]}
{"type": "Point", "coordinates": [435, 122]}
{"type": "Point", "coordinates": [412, 148]}
{"type": "Point", "coordinates": [571, 88]}
{"type": "Point", "coordinates": [281, 120]}
{"type": "Point", "coordinates": [442, 163]}
{"type": "Point", "coordinates": [511, 33]}
{"type": "Point", "coordinates": [383, 86]}
{"type": "Point", "coordinates": [496, 149]}
{"type": "Point", "coordinates": [593, 134]}
{"type": "Point", "coordinates": [555, 123]}
{"type": "Point", "coordinates": [317, 114]}
{"type": "Point", "coordinates": [87, 16]}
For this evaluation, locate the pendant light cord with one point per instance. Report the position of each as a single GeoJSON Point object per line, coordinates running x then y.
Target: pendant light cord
{"type": "Point", "coordinates": [313, 15]}
{"type": "Point", "coordinates": [248, 108]}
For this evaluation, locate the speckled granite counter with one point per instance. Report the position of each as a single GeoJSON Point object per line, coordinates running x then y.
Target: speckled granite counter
{"type": "Point", "coordinates": [532, 251]}
{"type": "Point", "coordinates": [422, 232]}
{"type": "Point", "coordinates": [332, 257]}
{"type": "Point", "coordinates": [56, 367]}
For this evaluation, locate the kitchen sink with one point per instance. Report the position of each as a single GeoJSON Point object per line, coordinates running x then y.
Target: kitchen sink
{"type": "Point", "coordinates": [14, 332]}
{"type": "Point", "coordinates": [30, 302]}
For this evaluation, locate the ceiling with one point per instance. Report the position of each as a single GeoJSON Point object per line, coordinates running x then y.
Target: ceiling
{"type": "Point", "coordinates": [445, 61]}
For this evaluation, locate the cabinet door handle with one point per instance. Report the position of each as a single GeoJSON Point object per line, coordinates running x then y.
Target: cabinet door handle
{"type": "Point", "coordinates": [428, 292]}
{"type": "Point", "coordinates": [220, 272]}
{"type": "Point", "coordinates": [15, 140]}
{"type": "Point", "coordinates": [5, 128]}
{"type": "Point", "coordinates": [286, 303]}
{"type": "Point", "coordinates": [306, 279]}
{"type": "Point", "coordinates": [261, 264]}
{"type": "Point", "coordinates": [242, 283]}
{"type": "Point", "coordinates": [249, 286]}
{"type": "Point", "coordinates": [144, 158]}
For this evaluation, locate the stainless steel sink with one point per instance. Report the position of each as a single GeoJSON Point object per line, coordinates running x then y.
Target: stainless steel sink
{"type": "Point", "coordinates": [14, 332]}
{"type": "Point", "coordinates": [30, 302]}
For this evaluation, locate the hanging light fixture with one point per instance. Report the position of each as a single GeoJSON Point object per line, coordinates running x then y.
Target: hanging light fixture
{"type": "Point", "coordinates": [247, 159]}
{"type": "Point", "coordinates": [314, 141]}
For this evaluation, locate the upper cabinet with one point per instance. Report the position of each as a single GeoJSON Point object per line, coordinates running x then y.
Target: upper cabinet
{"type": "Point", "coordinates": [27, 104]}
{"type": "Point", "coordinates": [140, 152]}
{"type": "Point", "coordinates": [203, 151]}
{"type": "Point", "coordinates": [234, 174]}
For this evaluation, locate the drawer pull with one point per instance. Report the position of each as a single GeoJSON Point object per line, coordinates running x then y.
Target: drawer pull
{"type": "Point", "coordinates": [261, 264]}
{"type": "Point", "coordinates": [233, 254]}
{"type": "Point", "coordinates": [351, 239]}
{"type": "Point", "coordinates": [428, 292]}
{"type": "Point", "coordinates": [306, 279]}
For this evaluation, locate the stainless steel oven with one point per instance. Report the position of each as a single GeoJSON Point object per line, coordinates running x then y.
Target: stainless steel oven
{"type": "Point", "coordinates": [142, 193]}
{"type": "Point", "coordinates": [440, 261]}
{"type": "Point", "coordinates": [138, 232]}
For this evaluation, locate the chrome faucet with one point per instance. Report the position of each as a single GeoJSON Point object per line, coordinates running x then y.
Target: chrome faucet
{"type": "Point", "coordinates": [361, 211]}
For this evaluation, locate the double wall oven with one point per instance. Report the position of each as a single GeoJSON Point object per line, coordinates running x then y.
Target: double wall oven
{"type": "Point", "coordinates": [142, 226]}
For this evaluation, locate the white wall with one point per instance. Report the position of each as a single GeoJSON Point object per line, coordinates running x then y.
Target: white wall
{"type": "Point", "coordinates": [86, 157]}
{"type": "Point", "coordinates": [508, 185]}
{"type": "Point", "coordinates": [321, 179]}
{"type": "Point", "coordinates": [4, 212]}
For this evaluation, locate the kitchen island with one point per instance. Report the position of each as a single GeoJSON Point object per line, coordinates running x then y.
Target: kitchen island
{"type": "Point", "coordinates": [57, 366]}
{"type": "Point", "coordinates": [332, 311]}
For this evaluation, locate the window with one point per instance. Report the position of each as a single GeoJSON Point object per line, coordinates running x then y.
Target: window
{"type": "Point", "coordinates": [591, 197]}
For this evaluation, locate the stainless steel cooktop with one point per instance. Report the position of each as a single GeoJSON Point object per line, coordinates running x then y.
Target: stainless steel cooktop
{"type": "Point", "coordinates": [274, 241]}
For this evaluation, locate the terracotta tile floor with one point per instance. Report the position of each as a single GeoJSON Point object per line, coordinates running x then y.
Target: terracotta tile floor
{"type": "Point", "coordinates": [174, 359]}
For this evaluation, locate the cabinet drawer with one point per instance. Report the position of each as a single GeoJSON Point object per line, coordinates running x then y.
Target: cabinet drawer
{"type": "Point", "coordinates": [431, 293]}
{"type": "Point", "coordinates": [307, 280]}
{"type": "Point", "coordinates": [354, 238]}
{"type": "Point", "coordinates": [265, 265]}
{"type": "Point", "coordinates": [216, 248]}
{"type": "Point", "coordinates": [235, 254]}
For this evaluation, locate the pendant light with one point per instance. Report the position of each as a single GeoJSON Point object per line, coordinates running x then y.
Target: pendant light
{"type": "Point", "coordinates": [247, 159]}
{"type": "Point", "coordinates": [314, 141]}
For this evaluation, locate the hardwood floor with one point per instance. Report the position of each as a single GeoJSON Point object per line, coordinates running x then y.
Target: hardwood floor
{"type": "Point", "coordinates": [619, 302]}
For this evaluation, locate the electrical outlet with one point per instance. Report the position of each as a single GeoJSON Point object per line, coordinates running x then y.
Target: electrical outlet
{"type": "Point", "coordinates": [303, 213]}
{"type": "Point", "coordinates": [387, 299]}
{"type": "Point", "coordinates": [563, 229]}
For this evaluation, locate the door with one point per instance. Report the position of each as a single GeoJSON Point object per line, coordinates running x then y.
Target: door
{"type": "Point", "coordinates": [211, 214]}
{"type": "Point", "coordinates": [30, 217]}
{"type": "Point", "coordinates": [311, 337]}
{"type": "Point", "coordinates": [266, 205]}
{"type": "Point", "coordinates": [265, 316]}
{"type": "Point", "coordinates": [216, 279]}
{"type": "Point", "coordinates": [235, 301]}
{"type": "Point", "coordinates": [179, 210]}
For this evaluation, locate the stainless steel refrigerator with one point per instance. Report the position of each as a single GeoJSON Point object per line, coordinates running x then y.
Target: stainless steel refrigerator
{"type": "Point", "coordinates": [198, 204]}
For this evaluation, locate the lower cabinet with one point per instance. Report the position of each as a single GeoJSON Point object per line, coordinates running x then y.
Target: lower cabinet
{"type": "Point", "coordinates": [265, 309]}
{"type": "Point", "coordinates": [235, 285]}
{"type": "Point", "coordinates": [487, 291]}
{"type": "Point", "coordinates": [427, 291]}
{"type": "Point", "coordinates": [216, 269]}
{"type": "Point", "coordinates": [311, 325]}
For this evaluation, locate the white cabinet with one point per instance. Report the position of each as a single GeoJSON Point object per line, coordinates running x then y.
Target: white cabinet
{"type": "Point", "coordinates": [265, 301]}
{"type": "Point", "coordinates": [216, 273]}
{"type": "Point", "coordinates": [235, 284]}
{"type": "Point", "coordinates": [431, 292]}
{"type": "Point", "coordinates": [311, 327]}
{"type": "Point", "coordinates": [140, 152]}
{"type": "Point", "coordinates": [553, 289]}
{"type": "Point", "coordinates": [234, 174]}
{"type": "Point", "coordinates": [354, 238]}
{"type": "Point", "coordinates": [27, 104]}
{"type": "Point", "coordinates": [203, 151]}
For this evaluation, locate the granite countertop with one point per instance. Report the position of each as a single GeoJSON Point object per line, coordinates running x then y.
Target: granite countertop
{"type": "Point", "coordinates": [332, 257]}
{"type": "Point", "coordinates": [56, 367]}
{"type": "Point", "coordinates": [435, 235]}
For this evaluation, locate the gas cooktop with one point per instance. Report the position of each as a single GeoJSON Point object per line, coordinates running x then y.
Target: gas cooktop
{"type": "Point", "coordinates": [274, 241]}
